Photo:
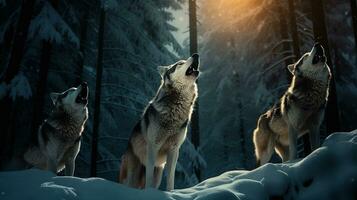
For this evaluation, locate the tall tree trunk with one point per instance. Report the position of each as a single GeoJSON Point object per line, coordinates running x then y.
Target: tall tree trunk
{"type": "Point", "coordinates": [283, 30]}
{"type": "Point", "coordinates": [284, 35]}
{"type": "Point", "coordinates": [42, 82]}
{"type": "Point", "coordinates": [96, 117]}
{"type": "Point", "coordinates": [195, 128]}
{"type": "Point", "coordinates": [354, 19]}
{"type": "Point", "coordinates": [13, 67]}
{"type": "Point", "coordinates": [294, 30]}
{"type": "Point", "coordinates": [320, 33]}
{"type": "Point", "coordinates": [242, 139]}
{"type": "Point", "coordinates": [82, 42]}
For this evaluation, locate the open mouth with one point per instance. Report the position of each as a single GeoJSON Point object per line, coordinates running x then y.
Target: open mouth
{"type": "Point", "coordinates": [82, 97]}
{"type": "Point", "coordinates": [193, 69]}
{"type": "Point", "coordinates": [319, 54]}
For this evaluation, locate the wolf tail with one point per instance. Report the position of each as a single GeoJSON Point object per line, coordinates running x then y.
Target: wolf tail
{"type": "Point", "coordinates": [136, 177]}
{"type": "Point", "coordinates": [263, 139]}
{"type": "Point", "coordinates": [123, 169]}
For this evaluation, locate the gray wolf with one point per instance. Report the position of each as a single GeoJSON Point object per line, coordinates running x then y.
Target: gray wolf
{"type": "Point", "coordinates": [58, 140]}
{"type": "Point", "coordinates": [300, 111]}
{"type": "Point", "coordinates": [156, 139]}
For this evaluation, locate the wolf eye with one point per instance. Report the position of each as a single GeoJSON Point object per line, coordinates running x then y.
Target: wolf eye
{"type": "Point", "coordinates": [63, 95]}
{"type": "Point", "coordinates": [172, 69]}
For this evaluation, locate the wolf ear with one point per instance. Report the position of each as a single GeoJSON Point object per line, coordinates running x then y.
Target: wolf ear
{"type": "Point", "coordinates": [162, 70]}
{"type": "Point", "coordinates": [54, 97]}
{"type": "Point", "coordinates": [291, 68]}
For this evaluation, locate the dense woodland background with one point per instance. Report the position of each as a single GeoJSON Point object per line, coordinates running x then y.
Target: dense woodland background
{"type": "Point", "coordinates": [116, 45]}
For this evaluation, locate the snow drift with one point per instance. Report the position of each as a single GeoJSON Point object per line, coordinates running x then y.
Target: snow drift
{"type": "Point", "coordinates": [327, 173]}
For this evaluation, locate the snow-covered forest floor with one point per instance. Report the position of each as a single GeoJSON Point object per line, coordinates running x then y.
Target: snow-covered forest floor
{"type": "Point", "coordinates": [327, 173]}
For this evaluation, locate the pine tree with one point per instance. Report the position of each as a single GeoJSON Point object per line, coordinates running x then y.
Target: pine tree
{"type": "Point", "coordinates": [45, 61]}
{"type": "Point", "coordinates": [19, 41]}
{"type": "Point", "coordinates": [14, 64]}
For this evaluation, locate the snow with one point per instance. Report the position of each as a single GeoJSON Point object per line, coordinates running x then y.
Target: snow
{"type": "Point", "coordinates": [19, 87]}
{"type": "Point", "coordinates": [49, 25]}
{"type": "Point", "coordinates": [327, 173]}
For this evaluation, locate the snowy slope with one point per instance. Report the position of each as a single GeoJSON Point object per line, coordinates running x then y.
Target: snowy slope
{"type": "Point", "coordinates": [328, 173]}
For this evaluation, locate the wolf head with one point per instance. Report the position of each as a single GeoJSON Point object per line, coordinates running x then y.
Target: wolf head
{"type": "Point", "coordinates": [73, 102]}
{"type": "Point", "coordinates": [182, 73]}
{"type": "Point", "coordinates": [312, 65]}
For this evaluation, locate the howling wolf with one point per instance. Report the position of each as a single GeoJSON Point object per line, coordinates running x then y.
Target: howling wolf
{"type": "Point", "coordinates": [59, 136]}
{"type": "Point", "coordinates": [157, 137]}
{"type": "Point", "coordinates": [300, 111]}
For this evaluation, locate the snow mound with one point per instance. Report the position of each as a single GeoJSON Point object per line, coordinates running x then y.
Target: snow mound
{"type": "Point", "coordinates": [327, 173]}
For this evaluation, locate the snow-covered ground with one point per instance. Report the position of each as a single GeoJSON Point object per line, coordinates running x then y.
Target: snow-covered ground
{"type": "Point", "coordinates": [330, 172]}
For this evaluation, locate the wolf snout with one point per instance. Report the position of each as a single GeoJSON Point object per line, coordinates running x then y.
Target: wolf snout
{"type": "Point", "coordinates": [317, 44]}
{"type": "Point", "coordinates": [319, 49]}
{"type": "Point", "coordinates": [83, 93]}
{"type": "Point", "coordinates": [193, 68]}
{"type": "Point", "coordinates": [319, 54]}
{"type": "Point", "coordinates": [84, 84]}
{"type": "Point", "coordinates": [195, 56]}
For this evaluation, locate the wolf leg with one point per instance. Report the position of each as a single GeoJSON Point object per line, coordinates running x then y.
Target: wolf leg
{"type": "Point", "coordinates": [171, 166]}
{"type": "Point", "coordinates": [123, 169]}
{"type": "Point", "coordinates": [70, 166]}
{"type": "Point", "coordinates": [264, 141]}
{"type": "Point", "coordinates": [283, 151]}
{"type": "Point", "coordinates": [133, 169]}
{"type": "Point", "coordinates": [51, 154]}
{"type": "Point", "coordinates": [314, 129]}
{"type": "Point", "coordinates": [151, 154]}
{"type": "Point", "coordinates": [158, 176]}
{"type": "Point", "coordinates": [265, 154]}
{"type": "Point", "coordinates": [129, 181]}
{"type": "Point", "coordinates": [138, 175]}
{"type": "Point", "coordinates": [52, 165]}
{"type": "Point", "coordinates": [292, 142]}
{"type": "Point", "coordinates": [70, 157]}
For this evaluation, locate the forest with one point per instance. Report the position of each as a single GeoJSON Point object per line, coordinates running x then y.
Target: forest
{"type": "Point", "coordinates": [115, 46]}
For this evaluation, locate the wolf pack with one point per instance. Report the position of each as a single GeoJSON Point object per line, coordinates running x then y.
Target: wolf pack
{"type": "Point", "coordinates": [155, 140]}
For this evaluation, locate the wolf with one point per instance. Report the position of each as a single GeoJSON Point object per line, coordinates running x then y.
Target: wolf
{"type": "Point", "coordinates": [156, 139]}
{"type": "Point", "coordinates": [300, 111]}
{"type": "Point", "coordinates": [59, 136]}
